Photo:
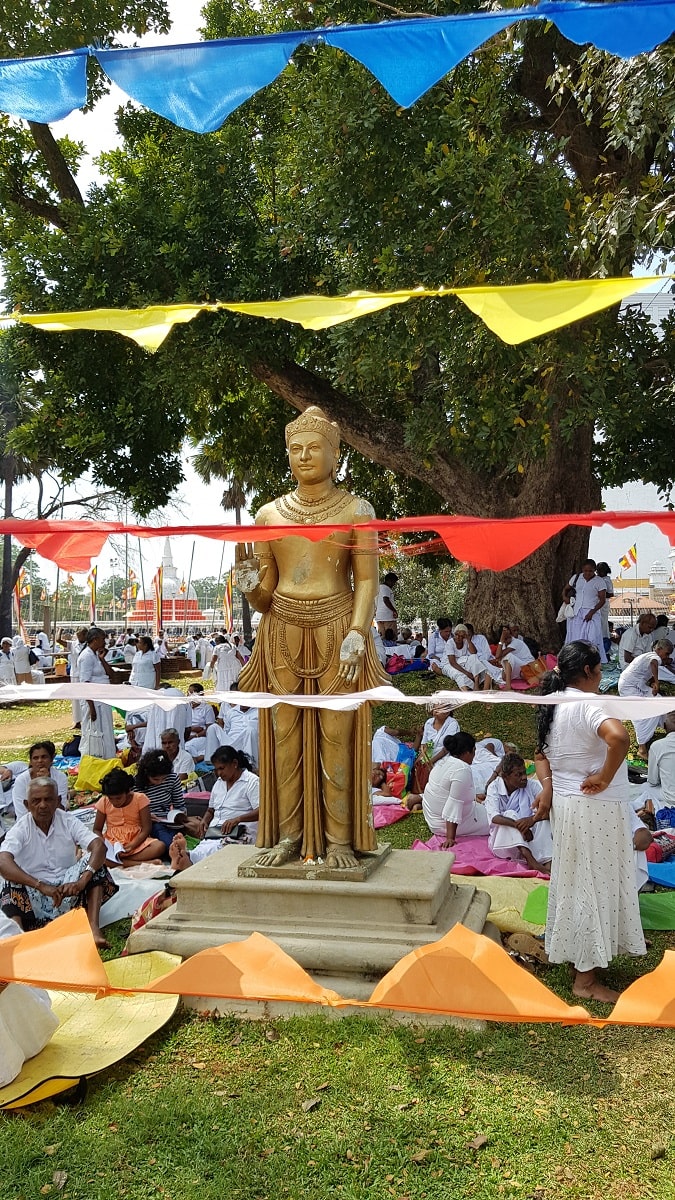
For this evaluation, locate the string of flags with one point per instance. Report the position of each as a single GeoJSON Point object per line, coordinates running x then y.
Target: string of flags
{"type": "Point", "coordinates": [198, 85]}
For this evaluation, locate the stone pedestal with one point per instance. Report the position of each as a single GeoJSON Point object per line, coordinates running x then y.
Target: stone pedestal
{"type": "Point", "coordinates": [347, 935]}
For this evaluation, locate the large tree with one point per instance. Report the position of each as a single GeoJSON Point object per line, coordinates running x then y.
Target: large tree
{"type": "Point", "coordinates": [535, 159]}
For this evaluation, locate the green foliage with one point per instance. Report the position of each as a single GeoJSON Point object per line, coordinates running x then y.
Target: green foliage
{"type": "Point", "coordinates": [428, 591]}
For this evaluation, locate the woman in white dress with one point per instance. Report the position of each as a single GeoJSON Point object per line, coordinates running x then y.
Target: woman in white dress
{"type": "Point", "coordinates": [98, 736]}
{"type": "Point", "coordinates": [7, 674]}
{"type": "Point", "coordinates": [146, 665]}
{"type": "Point", "coordinates": [449, 798]}
{"type": "Point", "coordinates": [593, 911]}
{"type": "Point", "coordinates": [227, 663]}
{"type": "Point", "coordinates": [588, 594]}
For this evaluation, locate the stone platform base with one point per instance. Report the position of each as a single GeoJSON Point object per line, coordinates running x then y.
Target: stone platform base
{"type": "Point", "coordinates": [346, 935]}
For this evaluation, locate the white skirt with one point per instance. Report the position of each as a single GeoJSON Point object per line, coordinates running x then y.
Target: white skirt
{"type": "Point", "coordinates": [593, 910]}
{"type": "Point", "coordinates": [98, 737]}
{"type": "Point", "coordinates": [579, 630]}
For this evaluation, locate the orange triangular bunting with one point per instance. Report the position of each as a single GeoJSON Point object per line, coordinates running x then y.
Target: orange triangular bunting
{"type": "Point", "coordinates": [62, 956]}
{"type": "Point", "coordinates": [650, 1000]}
{"type": "Point", "coordinates": [254, 969]}
{"type": "Point", "coordinates": [465, 974]}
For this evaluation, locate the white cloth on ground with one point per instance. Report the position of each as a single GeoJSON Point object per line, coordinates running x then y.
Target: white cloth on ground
{"type": "Point", "coordinates": [26, 1019]}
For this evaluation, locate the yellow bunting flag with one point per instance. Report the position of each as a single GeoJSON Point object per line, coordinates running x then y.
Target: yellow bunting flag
{"type": "Point", "coordinates": [515, 313]}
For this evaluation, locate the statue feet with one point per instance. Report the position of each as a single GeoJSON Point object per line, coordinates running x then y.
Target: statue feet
{"type": "Point", "coordinates": [341, 858]}
{"type": "Point", "coordinates": [282, 853]}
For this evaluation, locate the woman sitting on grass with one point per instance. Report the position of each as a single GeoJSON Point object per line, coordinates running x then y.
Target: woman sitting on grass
{"type": "Point", "coordinates": [157, 780]}
{"type": "Point", "coordinates": [123, 820]}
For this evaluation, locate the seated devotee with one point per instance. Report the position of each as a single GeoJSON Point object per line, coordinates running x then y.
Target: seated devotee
{"type": "Point", "coordinates": [201, 715]}
{"type": "Point", "coordinates": [405, 644]}
{"type": "Point", "coordinates": [44, 877]}
{"type": "Point", "coordinates": [123, 820]}
{"type": "Point", "coordinates": [419, 661]}
{"type": "Point", "coordinates": [26, 1018]}
{"type": "Point", "coordinates": [41, 757]}
{"type": "Point", "coordinates": [157, 780]}
{"type": "Point", "coordinates": [636, 640]}
{"type": "Point", "coordinates": [516, 830]}
{"type": "Point", "coordinates": [461, 664]}
{"type": "Point", "coordinates": [641, 678]}
{"type": "Point", "coordinates": [232, 811]}
{"type": "Point", "coordinates": [134, 728]}
{"type": "Point", "coordinates": [438, 640]}
{"type": "Point", "coordinates": [486, 764]}
{"type": "Point", "coordinates": [385, 745]}
{"type": "Point", "coordinates": [480, 643]}
{"type": "Point", "coordinates": [182, 762]}
{"type": "Point", "coordinates": [9, 773]}
{"type": "Point", "coordinates": [661, 766]}
{"type": "Point", "coordinates": [236, 725]}
{"type": "Point", "coordinates": [662, 630]}
{"type": "Point", "coordinates": [379, 645]}
{"type": "Point", "coordinates": [389, 789]}
{"type": "Point", "coordinates": [429, 740]}
{"type": "Point", "coordinates": [449, 798]}
{"type": "Point", "coordinates": [511, 654]}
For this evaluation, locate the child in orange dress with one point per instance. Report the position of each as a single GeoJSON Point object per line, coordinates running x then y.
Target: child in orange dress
{"type": "Point", "coordinates": [123, 820]}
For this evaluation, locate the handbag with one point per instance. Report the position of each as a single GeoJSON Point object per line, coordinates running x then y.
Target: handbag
{"type": "Point", "coordinates": [565, 611]}
{"type": "Point", "coordinates": [96, 744]}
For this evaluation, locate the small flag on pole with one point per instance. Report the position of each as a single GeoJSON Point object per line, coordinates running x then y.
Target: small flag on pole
{"type": "Point", "coordinates": [629, 558]}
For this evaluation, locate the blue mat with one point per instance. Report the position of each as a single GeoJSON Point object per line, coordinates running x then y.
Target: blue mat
{"type": "Point", "coordinates": [662, 873]}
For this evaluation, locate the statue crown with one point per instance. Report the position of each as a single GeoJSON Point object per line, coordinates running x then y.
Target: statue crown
{"type": "Point", "coordinates": [314, 420]}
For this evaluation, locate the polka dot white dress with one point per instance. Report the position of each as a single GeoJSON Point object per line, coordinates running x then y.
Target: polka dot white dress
{"type": "Point", "coordinates": [593, 910]}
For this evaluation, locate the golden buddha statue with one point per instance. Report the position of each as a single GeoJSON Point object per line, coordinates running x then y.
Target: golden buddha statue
{"type": "Point", "coordinates": [314, 638]}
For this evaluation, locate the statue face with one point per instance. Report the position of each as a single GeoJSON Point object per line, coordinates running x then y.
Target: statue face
{"type": "Point", "coordinates": [311, 457]}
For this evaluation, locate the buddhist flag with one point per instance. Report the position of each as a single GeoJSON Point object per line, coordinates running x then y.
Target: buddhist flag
{"type": "Point", "coordinates": [629, 558]}
{"type": "Point", "coordinates": [132, 575]}
{"type": "Point", "coordinates": [227, 604]}
{"type": "Point", "coordinates": [69, 580]}
{"type": "Point", "coordinates": [183, 587]}
{"type": "Point", "coordinates": [24, 583]}
{"type": "Point", "coordinates": [158, 585]}
{"type": "Point", "coordinates": [43, 594]}
{"type": "Point", "coordinates": [91, 582]}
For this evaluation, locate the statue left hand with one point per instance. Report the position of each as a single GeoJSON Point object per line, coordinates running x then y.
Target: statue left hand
{"type": "Point", "coordinates": [352, 651]}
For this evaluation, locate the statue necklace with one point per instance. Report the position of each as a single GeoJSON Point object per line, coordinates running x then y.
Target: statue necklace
{"type": "Point", "coordinates": [321, 508]}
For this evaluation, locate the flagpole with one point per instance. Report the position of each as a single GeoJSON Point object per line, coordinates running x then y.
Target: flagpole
{"type": "Point", "coordinates": [140, 556]}
{"type": "Point", "coordinates": [30, 594]}
{"type": "Point", "coordinates": [220, 573]}
{"type": "Point", "coordinates": [636, 572]}
{"type": "Point", "coordinates": [187, 593]}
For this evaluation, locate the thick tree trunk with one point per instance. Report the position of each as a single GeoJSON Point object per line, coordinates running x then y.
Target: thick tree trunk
{"type": "Point", "coordinates": [531, 592]}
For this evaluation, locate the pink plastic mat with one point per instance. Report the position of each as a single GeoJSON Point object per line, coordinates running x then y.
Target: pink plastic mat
{"type": "Point", "coordinates": [388, 814]}
{"type": "Point", "coordinates": [472, 857]}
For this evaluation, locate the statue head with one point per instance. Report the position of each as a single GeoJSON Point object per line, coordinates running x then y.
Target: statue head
{"type": "Point", "coordinates": [313, 445]}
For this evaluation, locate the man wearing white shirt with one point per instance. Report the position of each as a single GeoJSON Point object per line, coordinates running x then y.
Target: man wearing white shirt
{"type": "Point", "coordinates": [183, 763]}
{"type": "Point", "coordinates": [636, 640]}
{"type": "Point", "coordinates": [661, 767]}
{"type": "Point", "coordinates": [40, 765]}
{"type": "Point", "coordinates": [438, 640]}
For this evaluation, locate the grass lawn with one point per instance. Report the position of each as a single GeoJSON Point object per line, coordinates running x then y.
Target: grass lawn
{"type": "Point", "coordinates": [358, 1108]}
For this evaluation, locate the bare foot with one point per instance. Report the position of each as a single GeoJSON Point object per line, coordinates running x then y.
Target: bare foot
{"type": "Point", "coordinates": [178, 854]}
{"type": "Point", "coordinates": [341, 858]}
{"type": "Point", "coordinates": [99, 940]}
{"type": "Point", "coordinates": [587, 986]}
{"type": "Point", "coordinates": [282, 853]}
{"type": "Point", "coordinates": [642, 752]}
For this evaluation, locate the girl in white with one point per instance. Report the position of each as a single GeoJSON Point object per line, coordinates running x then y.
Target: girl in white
{"type": "Point", "coordinates": [516, 829]}
{"type": "Point", "coordinates": [589, 601]}
{"type": "Point", "coordinates": [593, 911]}
{"type": "Point", "coordinates": [227, 663]}
{"type": "Point", "coordinates": [449, 798]}
{"type": "Point", "coordinates": [146, 665]}
{"type": "Point", "coordinates": [641, 678]}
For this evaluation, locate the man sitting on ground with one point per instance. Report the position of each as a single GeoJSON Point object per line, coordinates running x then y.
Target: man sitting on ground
{"type": "Point", "coordinates": [636, 640]}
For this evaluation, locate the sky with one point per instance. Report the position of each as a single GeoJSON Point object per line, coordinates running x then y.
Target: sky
{"type": "Point", "coordinates": [200, 504]}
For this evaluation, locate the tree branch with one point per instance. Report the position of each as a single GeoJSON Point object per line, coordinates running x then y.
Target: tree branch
{"type": "Point", "coordinates": [382, 439]}
{"type": "Point", "coordinates": [47, 212]}
{"type": "Point", "coordinates": [59, 171]}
